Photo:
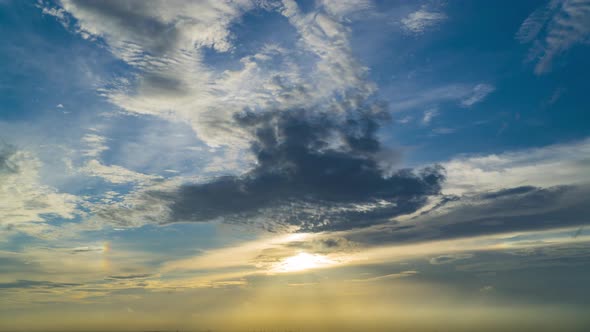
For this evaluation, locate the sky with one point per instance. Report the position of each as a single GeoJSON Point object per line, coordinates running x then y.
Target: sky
{"type": "Point", "coordinates": [317, 165]}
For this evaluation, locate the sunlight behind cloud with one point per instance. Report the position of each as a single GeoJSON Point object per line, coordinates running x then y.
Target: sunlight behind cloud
{"type": "Point", "coordinates": [294, 165]}
{"type": "Point", "coordinates": [301, 262]}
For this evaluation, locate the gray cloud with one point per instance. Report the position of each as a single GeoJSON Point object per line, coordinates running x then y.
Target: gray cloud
{"type": "Point", "coordinates": [313, 170]}
{"type": "Point", "coordinates": [35, 284]}
{"type": "Point", "coordinates": [129, 276]}
{"type": "Point", "coordinates": [508, 192]}
{"type": "Point", "coordinates": [503, 211]}
{"type": "Point", "coordinates": [446, 259]}
{"type": "Point", "coordinates": [7, 165]}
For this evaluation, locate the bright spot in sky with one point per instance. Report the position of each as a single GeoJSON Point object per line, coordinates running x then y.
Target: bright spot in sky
{"type": "Point", "coordinates": [302, 261]}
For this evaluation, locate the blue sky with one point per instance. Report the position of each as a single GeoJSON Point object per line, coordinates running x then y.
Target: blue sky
{"type": "Point", "coordinates": [222, 147]}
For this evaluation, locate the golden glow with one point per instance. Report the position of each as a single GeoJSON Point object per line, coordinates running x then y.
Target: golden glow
{"type": "Point", "coordinates": [106, 249]}
{"type": "Point", "coordinates": [301, 262]}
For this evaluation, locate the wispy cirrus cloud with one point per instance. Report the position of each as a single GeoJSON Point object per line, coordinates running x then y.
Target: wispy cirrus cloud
{"type": "Point", "coordinates": [465, 95]}
{"type": "Point", "coordinates": [478, 94]}
{"type": "Point", "coordinates": [422, 20]}
{"type": "Point", "coordinates": [116, 174]}
{"type": "Point", "coordinates": [429, 115]}
{"type": "Point", "coordinates": [553, 29]}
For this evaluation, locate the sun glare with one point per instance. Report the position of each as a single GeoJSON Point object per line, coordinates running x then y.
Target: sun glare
{"type": "Point", "coordinates": [302, 261]}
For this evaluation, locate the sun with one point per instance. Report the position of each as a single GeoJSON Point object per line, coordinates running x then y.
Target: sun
{"type": "Point", "coordinates": [301, 262]}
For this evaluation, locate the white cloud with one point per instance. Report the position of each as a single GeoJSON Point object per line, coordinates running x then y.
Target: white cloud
{"type": "Point", "coordinates": [337, 70]}
{"type": "Point", "coordinates": [95, 145]}
{"type": "Point", "coordinates": [564, 164]}
{"type": "Point", "coordinates": [421, 20]}
{"type": "Point", "coordinates": [533, 24]}
{"type": "Point", "coordinates": [59, 14]}
{"type": "Point", "coordinates": [164, 41]}
{"type": "Point", "coordinates": [429, 115]}
{"type": "Point", "coordinates": [24, 199]}
{"type": "Point", "coordinates": [347, 8]}
{"type": "Point", "coordinates": [553, 29]}
{"type": "Point", "coordinates": [465, 95]}
{"type": "Point", "coordinates": [116, 174]}
{"type": "Point", "coordinates": [478, 94]}
{"type": "Point", "coordinates": [406, 119]}
{"type": "Point", "coordinates": [157, 26]}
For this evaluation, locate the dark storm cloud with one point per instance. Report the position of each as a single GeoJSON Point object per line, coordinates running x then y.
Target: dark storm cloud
{"type": "Point", "coordinates": [316, 171]}
{"type": "Point", "coordinates": [504, 211]}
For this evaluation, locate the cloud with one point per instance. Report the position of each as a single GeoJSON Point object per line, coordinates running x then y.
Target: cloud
{"type": "Point", "coordinates": [403, 274]}
{"type": "Point", "coordinates": [116, 174]}
{"type": "Point", "coordinates": [567, 163]}
{"type": "Point", "coordinates": [533, 24]}
{"type": "Point", "coordinates": [465, 95]}
{"type": "Point", "coordinates": [87, 249]}
{"type": "Point", "coordinates": [554, 29]}
{"type": "Point", "coordinates": [480, 215]}
{"type": "Point", "coordinates": [496, 194]}
{"type": "Point", "coordinates": [8, 164]}
{"type": "Point", "coordinates": [59, 14]}
{"type": "Point", "coordinates": [479, 93]}
{"type": "Point", "coordinates": [443, 131]}
{"type": "Point", "coordinates": [157, 26]}
{"type": "Point", "coordinates": [446, 259]}
{"type": "Point", "coordinates": [163, 42]}
{"type": "Point", "coordinates": [313, 171]}
{"type": "Point", "coordinates": [24, 199]}
{"type": "Point", "coordinates": [347, 8]}
{"type": "Point", "coordinates": [337, 71]}
{"type": "Point", "coordinates": [292, 148]}
{"type": "Point", "coordinates": [129, 276]}
{"type": "Point", "coordinates": [19, 284]}
{"type": "Point", "coordinates": [429, 115]}
{"type": "Point", "coordinates": [421, 20]}
{"type": "Point", "coordinates": [95, 145]}
{"type": "Point", "coordinates": [487, 289]}
{"type": "Point", "coordinates": [135, 209]}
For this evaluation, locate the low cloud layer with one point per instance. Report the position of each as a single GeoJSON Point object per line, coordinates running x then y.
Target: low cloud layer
{"type": "Point", "coordinates": [511, 210]}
